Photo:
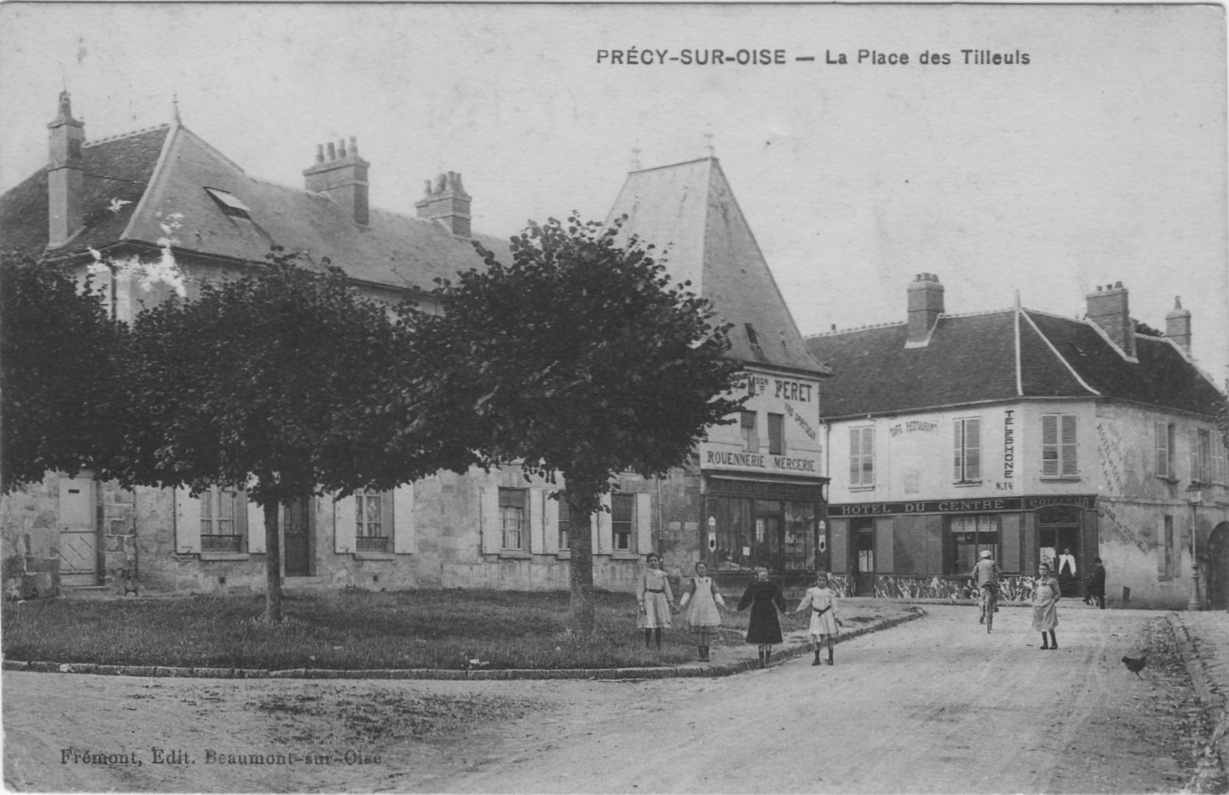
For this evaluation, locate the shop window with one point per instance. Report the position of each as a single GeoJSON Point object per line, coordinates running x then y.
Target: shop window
{"type": "Point", "coordinates": [623, 522]}
{"type": "Point", "coordinates": [513, 518]}
{"type": "Point", "coordinates": [800, 537]}
{"type": "Point", "coordinates": [733, 533]}
{"type": "Point", "coordinates": [776, 434]}
{"type": "Point", "coordinates": [968, 450]}
{"type": "Point", "coordinates": [969, 536]}
{"type": "Point", "coordinates": [1058, 446]}
{"type": "Point", "coordinates": [751, 439]}
{"type": "Point", "coordinates": [223, 516]}
{"type": "Point", "coordinates": [1164, 449]}
{"type": "Point", "coordinates": [861, 457]}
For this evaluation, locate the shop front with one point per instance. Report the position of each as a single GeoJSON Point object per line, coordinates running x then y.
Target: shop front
{"type": "Point", "coordinates": [926, 549]}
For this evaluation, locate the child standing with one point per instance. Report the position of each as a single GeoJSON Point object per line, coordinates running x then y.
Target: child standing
{"type": "Point", "coordinates": [824, 621]}
{"type": "Point", "coordinates": [764, 597]}
{"type": "Point", "coordinates": [653, 593]}
{"type": "Point", "coordinates": [1046, 594]}
{"type": "Point", "coordinates": [702, 616]}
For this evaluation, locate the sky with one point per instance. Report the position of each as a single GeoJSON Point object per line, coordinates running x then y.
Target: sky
{"type": "Point", "coordinates": [1102, 159]}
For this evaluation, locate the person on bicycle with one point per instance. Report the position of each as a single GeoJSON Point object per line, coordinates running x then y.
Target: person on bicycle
{"type": "Point", "coordinates": [986, 573]}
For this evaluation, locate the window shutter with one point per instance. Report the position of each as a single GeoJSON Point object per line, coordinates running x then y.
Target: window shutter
{"type": "Point", "coordinates": [403, 519]}
{"type": "Point", "coordinates": [488, 517]}
{"type": "Point", "coordinates": [241, 517]}
{"type": "Point", "coordinates": [345, 515]}
{"type": "Point", "coordinates": [1049, 445]}
{"type": "Point", "coordinates": [1194, 454]}
{"type": "Point", "coordinates": [187, 522]}
{"type": "Point", "coordinates": [256, 527]}
{"type": "Point", "coordinates": [958, 450]}
{"type": "Point", "coordinates": [550, 519]}
{"type": "Point", "coordinates": [537, 521]}
{"type": "Point", "coordinates": [1162, 449]}
{"type": "Point", "coordinates": [644, 523]}
{"type": "Point", "coordinates": [602, 542]}
{"type": "Point", "coordinates": [972, 439]}
{"type": "Point", "coordinates": [1070, 466]}
{"type": "Point", "coordinates": [855, 457]}
{"type": "Point", "coordinates": [868, 456]}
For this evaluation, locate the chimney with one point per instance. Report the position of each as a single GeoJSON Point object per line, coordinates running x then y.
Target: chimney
{"type": "Point", "coordinates": [1178, 325]}
{"type": "Point", "coordinates": [343, 176]}
{"type": "Point", "coordinates": [925, 306]}
{"type": "Point", "coordinates": [1107, 307]}
{"type": "Point", "coordinates": [65, 175]}
{"type": "Point", "coordinates": [446, 201]}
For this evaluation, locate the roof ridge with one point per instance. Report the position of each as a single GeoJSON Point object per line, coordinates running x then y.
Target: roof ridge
{"type": "Point", "coordinates": [855, 328]}
{"type": "Point", "coordinates": [128, 134]}
{"type": "Point", "coordinates": [1052, 314]}
{"type": "Point", "coordinates": [671, 165]}
{"type": "Point", "coordinates": [978, 313]}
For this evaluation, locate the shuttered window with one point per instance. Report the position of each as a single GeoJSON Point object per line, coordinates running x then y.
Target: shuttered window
{"type": "Point", "coordinates": [223, 518]}
{"type": "Point", "coordinates": [1164, 449]}
{"type": "Point", "coordinates": [622, 521]}
{"type": "Point", "coordinates": [1058, 445]}
{"type": "Point", "coordinates": [968, 450]}
{"type": "Point", "coordinates": [862, 456]}
{"type": "Point", "coordinates": [513, 518]}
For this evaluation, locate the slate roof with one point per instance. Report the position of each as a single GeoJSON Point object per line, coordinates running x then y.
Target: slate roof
{"type": "Point", "coordinates": [688, 211]}
{"type": "Point", "coordinates": [973, 359]}
{"type": "Point", "coordinates": [166, 170]}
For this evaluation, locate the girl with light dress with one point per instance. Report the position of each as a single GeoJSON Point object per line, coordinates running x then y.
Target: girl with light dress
{"type": "Point", "coordinates": [653, 593]}
{"type": "Point", "coordinates": [824, 621]}
{"type": "Point", "coordinates": [702, 615]}
{"type": "Point", "coordinates": [1046, 594]}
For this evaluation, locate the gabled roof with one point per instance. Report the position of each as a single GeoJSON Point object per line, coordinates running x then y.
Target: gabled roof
{"type": "Point", "coordinates": [974, 359]}
{"type": "Point", "coordinates": [168, 171]}
{"type": "Point", "coordinates": [688, 212]}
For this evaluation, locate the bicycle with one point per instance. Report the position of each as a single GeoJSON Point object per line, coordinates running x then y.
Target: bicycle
{"type": "Point", "coordinates": [989, 604]}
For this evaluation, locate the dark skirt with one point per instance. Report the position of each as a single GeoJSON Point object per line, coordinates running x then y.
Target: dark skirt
{"type": "Point", "coordinates": [764, 599]}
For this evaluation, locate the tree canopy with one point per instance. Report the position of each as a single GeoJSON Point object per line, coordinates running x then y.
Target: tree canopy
{"type": "Point", "coordinates": [58, 384]}
{"type": "Point", "coordinates": [582, 357]}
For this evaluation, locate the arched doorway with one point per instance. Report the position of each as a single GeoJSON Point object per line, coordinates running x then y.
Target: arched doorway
{"type": "Point", "coordinates": [1218, 567]}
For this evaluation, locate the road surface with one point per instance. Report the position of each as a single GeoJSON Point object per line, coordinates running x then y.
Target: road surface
{"type": "Point", "coordinates": [934, 705]}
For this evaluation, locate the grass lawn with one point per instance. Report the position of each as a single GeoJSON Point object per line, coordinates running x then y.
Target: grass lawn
{"type": "Point", "coordinates": [345, 630]}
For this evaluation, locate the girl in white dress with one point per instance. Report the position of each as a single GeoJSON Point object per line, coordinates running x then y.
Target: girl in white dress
{"type": "Point", "coordinates": [702, 615]}
{"type": "Point", "coordinates": [824, 622]}
{"type": "Point", "coordinates": [653, 593]}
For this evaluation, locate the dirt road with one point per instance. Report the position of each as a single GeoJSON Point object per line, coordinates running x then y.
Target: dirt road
{"type": "Point", "coordinates": [935, 705]}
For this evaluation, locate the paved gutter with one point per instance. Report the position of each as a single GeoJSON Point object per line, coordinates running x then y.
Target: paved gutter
{"type": "Point", "coordinates": [798, 643]}
{"type": "Point", "coordinates": [1210, 676]}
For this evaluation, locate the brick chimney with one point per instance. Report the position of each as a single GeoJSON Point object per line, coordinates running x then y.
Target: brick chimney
{"type": "Point", "coordinates": [925, 306]}
{"type": "Point", "coordinates": [65, 175]}
{"type": "Point", "coordinates": [1108, 308]}
{"type": "Point", "coordinates": [1178, 325]}
{"type": "Point", "coordinates": [343, 176]}
{"type": "Point", "coordinates": [446, 201]}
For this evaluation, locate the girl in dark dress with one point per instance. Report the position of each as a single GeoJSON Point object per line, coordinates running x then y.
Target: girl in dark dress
{"type": "Point", "coordinates": [765, 599]}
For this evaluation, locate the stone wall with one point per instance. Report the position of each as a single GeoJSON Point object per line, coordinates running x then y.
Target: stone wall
{"type": "Point", "coordinates": [29, 539]}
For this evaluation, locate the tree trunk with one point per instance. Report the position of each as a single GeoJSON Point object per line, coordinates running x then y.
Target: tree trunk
{"type": "Point", "coordinates": [580, 545]}
{"type": "Point", "coordinates": [273, 564]}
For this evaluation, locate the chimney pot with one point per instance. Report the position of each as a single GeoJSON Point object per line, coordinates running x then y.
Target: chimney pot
{"type": "Point", "coordinates": [1178, 325]}
{"type": "Point", "coordinates": [446, 201]}
{"type": "Point", "coordinates": [343, 179]}
{"type": "Point", "coordinates": [65, 175]}
{"type": "Point", "coordinates": [353, 146]}
{"type": "Point", "coordinates": [319, 153]}
{"type": "Point", "coordinates": [1110, 310]}
{"type": "Point", "coordinates": [925, 295]}
{"type": "Point", "coordinates": [332, 150]}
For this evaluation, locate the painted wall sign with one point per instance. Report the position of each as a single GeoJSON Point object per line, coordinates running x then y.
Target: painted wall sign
{"type": "Point", "coordinates": [913, 426]}
{"type": "Point", "coordinates": [801, 463]}
{"type": "Point", "coordinates": [985, 505]}
{"type": "Point", "coordinates": [1009, 445]}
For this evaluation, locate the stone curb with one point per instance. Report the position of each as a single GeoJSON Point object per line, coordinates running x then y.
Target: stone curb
{"type": "Point", "coordinates": [662, 672]}
{"type": "Point", "coordinates": [1216, 754]}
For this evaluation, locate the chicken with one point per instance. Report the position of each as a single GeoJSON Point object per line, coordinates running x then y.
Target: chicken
{"type": "Point", "coordinates": [1134, 665]}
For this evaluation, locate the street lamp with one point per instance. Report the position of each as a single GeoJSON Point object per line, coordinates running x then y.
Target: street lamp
{"type": "Point", "coordinates": [1194, 496]}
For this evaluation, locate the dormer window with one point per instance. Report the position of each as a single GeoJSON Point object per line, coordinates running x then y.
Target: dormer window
{"type": "Point", "coordinates": [229, 203]}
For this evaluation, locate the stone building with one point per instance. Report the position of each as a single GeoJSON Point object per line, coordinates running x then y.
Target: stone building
{"type": "Point", "coordinates": [1026, 434]}
{"type": "Point", "coordinates": [133, 197]}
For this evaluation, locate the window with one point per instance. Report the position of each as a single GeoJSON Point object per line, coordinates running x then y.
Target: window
{"type": "Point", "coordinates": [513, 515]}
{"type": "Point", "coordinates": [1165, 554]}
{"type": "Point", "coordinates": [1058, 446]}
{"type": "Point", "coordinates": [751, 439]}
{"type": "Point", "coordinates": [223, 515]}
{"type": "Point", "coordinates": [970, 535]}
{"type": "Point", "coordinates": [373, 520]}
{"type": "Point", "coordinates": [1164, 449]}
{"type": "Point", "coordinates": [776, 434]}
{"type": "Point", "coordinates": [1220, 461]}
{"type": "Point", "coordinates": [229, 203]}
{"type": "Point", "coordinates": [968, 450]}
{"type": "Point", "coordinates": [565, 521]}
{"type": "Point", "coordinates": [1201, 456]}
{"type": "Point", "coordinates": [622, 521]}
{"type": "Point", "coordinates": [861, 457]}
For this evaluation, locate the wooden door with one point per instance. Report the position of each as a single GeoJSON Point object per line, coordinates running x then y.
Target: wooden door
{"type": "Point", "coordinates": [79, 548]}
{"type": "Point", "coordinates": [297, 535]}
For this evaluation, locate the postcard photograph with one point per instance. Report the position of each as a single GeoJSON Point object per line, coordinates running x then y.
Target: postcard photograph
{"type": "Point", "coordinates": [614, 397]}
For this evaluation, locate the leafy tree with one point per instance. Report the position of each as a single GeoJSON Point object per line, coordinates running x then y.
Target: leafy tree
{"type": "Point", "coordinates": [580, 357]}
{"type": "Point", "coordinates": [285, 382]}
{"type": "Point", "coordinates": [58, 347]}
